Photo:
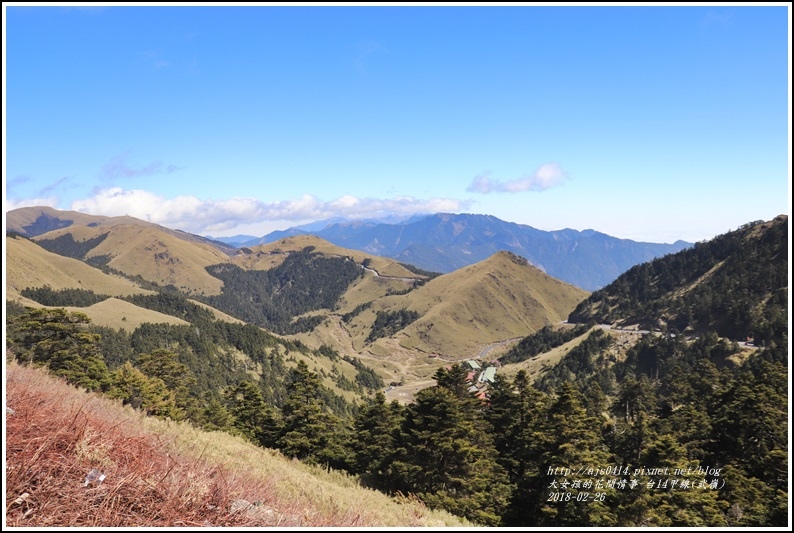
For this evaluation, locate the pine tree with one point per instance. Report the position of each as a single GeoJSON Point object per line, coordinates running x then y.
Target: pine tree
{"type": "Point", "coordinates": [215, 417]}
{"type": "Point", "coordinates": [60, 341]}
{"type": "Point", "coordinates": [683, 499]}
{"type": "Point", "coordinates": [140, 391]}
{"type": "Point", "coordinates": [310, 432]}
{"type": "Point", "coordinates": [252, 416]}
{"type": "Point", "coordinates": [449, 459]}
{"type": "Point", "coordinates": [376, 429]}
{"type": "Point", "coordinates": [164, 364]}
{"type": "Point", "coordinates": [516, 414]}
{"type": "Point", "coordinates": [573, 442]}
{"type": "Point", "coordinates": [751, 421]}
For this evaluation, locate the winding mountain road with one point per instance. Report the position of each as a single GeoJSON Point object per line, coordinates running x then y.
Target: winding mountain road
{"type": "Point", "coordinates": [491, 346]}
{"type": "Point", "coordinates": [378, 275]}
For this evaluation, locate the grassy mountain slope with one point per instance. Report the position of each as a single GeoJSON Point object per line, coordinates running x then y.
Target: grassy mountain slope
{"type": "Point", "coordinates": [219, 315]}
{"type": "Point", "coordinates": [34, 221]}
{"type": "Point", "coordinates": [460, 314]}
{"type": "Point", "coordinates": [165, 474]}
{"type": "Point", "coordinates": [496, 299]}
{"type": "Point", "coordinates": [29, 265]}
{"type": "Point", "coordinates": [391, 276]}
{"type": "Point", "coordinates": [145, 251]}
{"type": "Point", "coordinates": [537, 366]}
{"type": "Point", "coordinates": [118, 314]}
{"type": "Point", "coordinates": [734, 284]}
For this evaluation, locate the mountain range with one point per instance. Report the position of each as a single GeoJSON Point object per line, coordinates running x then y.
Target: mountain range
{"type": "Point", "coordinates": [454, 315]}
{"type": "Point", "coordinates": [441, 242]}
{"type": "Point", "coordinates": [386, 311]}
{"type": "Point", "coordinates": [444, 242]}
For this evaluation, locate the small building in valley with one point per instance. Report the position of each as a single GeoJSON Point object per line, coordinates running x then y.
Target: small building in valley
{"type": "Point", "coordinates": [488, 375]}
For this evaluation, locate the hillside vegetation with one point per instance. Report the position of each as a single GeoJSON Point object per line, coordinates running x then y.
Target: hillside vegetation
{"type": "Point", "coordinates": [284, 288]}
{"type": "Point", "coordinates": [680, 398]}
{"type": "Point", "coordinates": [34, 221]}
{"type": "Point", "coordinates": [452, 317]}
{"type": "Point", "coordinates": [267, 256]}
{"type": "Point", "coordinates": [165, 474]}
{"type": "Point", "coordinates": [735, 284]}
{"type": "Point", "coordinates": [305, 281]}
{"type": "Point", "coordinates": [500, 298]}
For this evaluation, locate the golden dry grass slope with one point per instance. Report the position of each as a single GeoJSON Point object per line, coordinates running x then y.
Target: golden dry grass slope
{"type": "Point", "coordinates": [34, 221]}
{"type": "Point", "coordinates": [119, 314]}
{"type": "Point", "coordinates": [28, 265]}
{"type": "Point", "coordinates": [24, 219]}
{"type": "Point", "coordinates": [500, 298]}
{"type": "Point", "coordinates": [136, 247]}
{"type": "Point", "coordinates": [31, 266]}
{"type": "Point", "coordinates": [462, 315]}
{"type": "Point", "coordinates": [151, 253]}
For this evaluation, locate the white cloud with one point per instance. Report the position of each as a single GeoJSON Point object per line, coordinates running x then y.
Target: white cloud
{"type": "Point", "coordinates": [10, 205]}
{"type": "Point", "coordinates": [345, 202]}
{"type": "Point", "coordinates": [198, 216]}
{"type": "Point", "coordinates": [545, 177]}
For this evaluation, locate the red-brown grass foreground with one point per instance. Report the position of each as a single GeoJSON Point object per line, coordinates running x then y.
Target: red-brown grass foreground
{"type": "Point", "coordinates": [161, 473]}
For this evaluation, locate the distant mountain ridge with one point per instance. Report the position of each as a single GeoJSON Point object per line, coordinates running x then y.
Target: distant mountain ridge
{"type": "Point", "coordinates": [445, 242]}
{"type": "Point", "coordinates": [442, 242]}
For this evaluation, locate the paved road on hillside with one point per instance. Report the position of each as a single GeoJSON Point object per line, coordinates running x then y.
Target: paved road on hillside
{"type": "Point", "coordinates": [377, 275]}
{"type": "Point", "coordinates": [610, 328]}
{"type": "Point", "coordinates": [490, 347]}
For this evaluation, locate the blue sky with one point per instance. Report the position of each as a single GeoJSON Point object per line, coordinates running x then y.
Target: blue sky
{"type": "Point", "coordinates": [647, 123]}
